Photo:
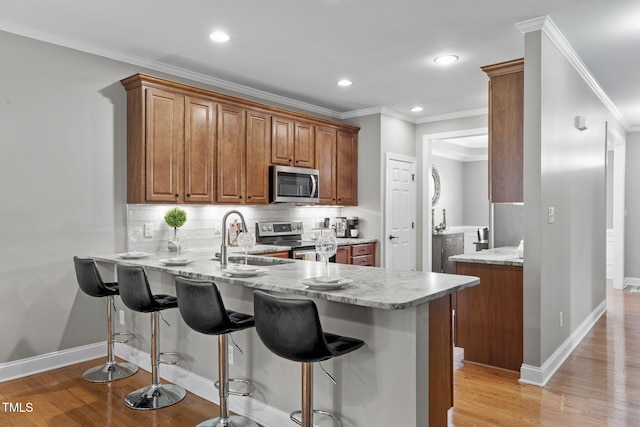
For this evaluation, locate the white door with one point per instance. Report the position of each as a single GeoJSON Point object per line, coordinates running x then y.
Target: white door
{"type": "Point", "coordinates": [400, 213]}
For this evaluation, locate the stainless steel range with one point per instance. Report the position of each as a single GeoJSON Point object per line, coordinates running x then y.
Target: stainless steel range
{"type": "Point", "coordinates": [287, 233]}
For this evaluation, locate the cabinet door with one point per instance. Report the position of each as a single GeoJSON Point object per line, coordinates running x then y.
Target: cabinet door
{"type": "Point", "coordinates": [282, 138]}
{"type": "Point", "coordinates": [347, 169]}
{"type": "Point", "coordinates": [258, 154]}
{"type": "Point", "coordinates": [304, 146]}
{"type": "Point", "coordinates": [326, 138]}
{"type": "Point", "coordinates": [343, 254]}
{"type": "Point", "coordinates": [199, 165]}
{"type": "Point", "coordinates": [506, 116]}
{"type": "Point", "coordinates": [164, 135]}
{"type": "Point", "coordinates": [230, 154]}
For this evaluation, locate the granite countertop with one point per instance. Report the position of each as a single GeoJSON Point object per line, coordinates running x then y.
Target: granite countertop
{"type": "Point", "coordinates": [505, 255]}
{"type": "Point", "coordinates": [371, 287]}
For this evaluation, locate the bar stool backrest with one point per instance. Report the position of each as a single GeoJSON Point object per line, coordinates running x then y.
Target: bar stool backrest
{"type": "Point", "coordinates": [201, 306]}
{"type": "Point", "coordinates": [89, 278]}
{"type": "Point", "coordinates": [290, 328]}
{"type": "Point", "coordinates": [134, 289]}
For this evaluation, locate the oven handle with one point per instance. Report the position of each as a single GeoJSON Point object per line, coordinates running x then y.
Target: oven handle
{"type": "Point", "coordinates": [313, 185]}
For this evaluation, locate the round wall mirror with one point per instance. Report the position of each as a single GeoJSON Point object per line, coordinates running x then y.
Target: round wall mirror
{"type": "Point", "coordinates": [434, 186]}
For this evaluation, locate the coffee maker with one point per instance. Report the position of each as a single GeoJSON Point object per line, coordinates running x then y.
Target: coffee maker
{"type": "Point", "coordinates": [352, 224]}
{"type": "Point", "coordinates": [341, 227]}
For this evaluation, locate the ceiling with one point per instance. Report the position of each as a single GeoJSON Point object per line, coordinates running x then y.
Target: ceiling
{"type": "Point", "coordinates": [294, 52]}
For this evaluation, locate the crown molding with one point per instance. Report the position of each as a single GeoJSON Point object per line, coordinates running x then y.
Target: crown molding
{"type": "Point", "coordinates": [634, 128]}
{"type": "Point", "coordinates": [546, 25]}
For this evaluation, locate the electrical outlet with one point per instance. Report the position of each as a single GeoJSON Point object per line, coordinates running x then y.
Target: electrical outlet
{"type": "Point", "coordinates": [148, 229]}
{"type": "Point", "coordinates": [121, 313]}
{"type": "Point", "coordinates": [552, 215]}
{"type": "Point", "coordinates": [230, 355]}
{"type": "Point", "coordinates": [216, 228]}
{"type": "Point", "coordinates": [561, 319]}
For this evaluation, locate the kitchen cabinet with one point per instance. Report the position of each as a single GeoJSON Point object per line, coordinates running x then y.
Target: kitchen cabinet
{"type": "Point", "coordinates": [243, 147]}
{"type": "Point", "coordinates": [326, 144]}
{"type": "Point", "coordinates": [230, 154]}
{"type": "Point", "coordinates": [489, 317]}
{"type": "Point", "coordinates": [190, 145]}
{"type": "Point", "coordinates": [347, 168]}
{"type": "Point", "coordinates": [443, 246]}
{"type": "Point", "coordinates": [363, 254]}
{"type": "Point", "coordinates": [279, 254]}
{"type": "Point", "coordinates": [170, 146]}
{"type": "Point", "coordinates": [343, 254]}
{"type": "Point", "coordinates": [293, 143]}
{"type": "Point", "coordinates": [506, 117]}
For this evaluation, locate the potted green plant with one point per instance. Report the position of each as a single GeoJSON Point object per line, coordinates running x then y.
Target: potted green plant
{"type": "Point", "coordinates": [175, 218]}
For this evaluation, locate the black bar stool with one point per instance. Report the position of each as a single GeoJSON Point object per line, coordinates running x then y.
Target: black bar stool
{"type": "Point", "coordinates": [136, 294]}
{"type": "Point", "coordinates": [91, 283]}
{"type": "Point", "coordinates": [291, 329]}
{"type": "Point", "coordinates": [202, 309]}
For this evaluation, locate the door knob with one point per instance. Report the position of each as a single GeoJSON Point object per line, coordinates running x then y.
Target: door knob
{"type": "Point", "coordinates": [391, 237]}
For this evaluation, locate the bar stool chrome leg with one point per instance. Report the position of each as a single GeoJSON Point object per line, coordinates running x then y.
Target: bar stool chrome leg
{"type": "Point", "coordinates": [225, 420]}
{"type": "Point", "coordinates": [157, 395]}
{"type": "Point", "coordinates": [112, 370]}
{"type": "Point", "coordinates": [306, 414]}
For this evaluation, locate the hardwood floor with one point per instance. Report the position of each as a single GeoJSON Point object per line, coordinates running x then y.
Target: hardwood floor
{"type": "Point", "coordinates": [599, 385]}
{"type": "Point", "coordinates": [61, 398]}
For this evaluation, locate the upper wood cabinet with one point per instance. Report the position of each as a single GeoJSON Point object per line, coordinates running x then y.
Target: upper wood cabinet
{"type": "Point", "coordinates": [170, 146]}
{"type": "Point", "coordinates": [293, 143]}
{"type": "Point", "coordinates": [347, 168]}
{"type": "Point", "coordinates": [506, 116]}
{"type": "Point", "coordinates": [326, 145]}
{"type": "Point", "coordinates": [190, 145]}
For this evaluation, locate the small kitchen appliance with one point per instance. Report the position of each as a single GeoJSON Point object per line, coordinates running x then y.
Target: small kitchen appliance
{"type": "Point", "coordinates": [352, 227]}
{"type": "Point", "coordinates": [341, 226]}
{"type": "Point", "coordinates": [294, 185]}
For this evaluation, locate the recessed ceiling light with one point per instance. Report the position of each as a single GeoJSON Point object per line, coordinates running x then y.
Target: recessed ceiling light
{"type": "Point", "coordinates": [446, 59]}
{"type": "Point", "coordinates": [416, 109]}
{"type": "Point", "coordinates": [219, 36]}
{"type": "Point", "coordinates": [345, 82]}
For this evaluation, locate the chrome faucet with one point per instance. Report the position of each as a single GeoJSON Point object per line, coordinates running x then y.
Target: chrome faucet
{"type": "Point", "coordinates": [224, 257]}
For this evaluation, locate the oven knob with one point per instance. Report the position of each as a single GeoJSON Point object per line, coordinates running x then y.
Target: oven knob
{"type": "Point", "coordinates": [264, 228]}
{"type": "Point", "coordinates": [269, 228]}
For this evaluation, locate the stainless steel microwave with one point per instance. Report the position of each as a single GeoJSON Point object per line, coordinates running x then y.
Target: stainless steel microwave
{"type": "Point", "coordinates": [294, 185]}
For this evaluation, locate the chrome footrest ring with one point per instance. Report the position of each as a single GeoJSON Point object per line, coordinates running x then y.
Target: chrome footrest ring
{"type": "Point", "coordinates": [252, 388]}
{"type": "Point", "coordinates": [293, 417]}
{"type": "Point", "coordinates": [174, 358]}
{"type": "Point", "coordinates": [128, 336]}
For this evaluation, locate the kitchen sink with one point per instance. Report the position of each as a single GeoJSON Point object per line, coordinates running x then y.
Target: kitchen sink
{"type": "Point", "coordinates": [260, 261]}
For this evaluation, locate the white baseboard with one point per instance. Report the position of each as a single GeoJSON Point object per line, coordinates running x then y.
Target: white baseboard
{"type": "Point", "coordinates": [46, 362]}
{"type": "Point", "coordinates": [266, 415]}
{"type": "Point", "coordinates": [541, 375]}
{"type": "Point", "coordinates": [631, 281]}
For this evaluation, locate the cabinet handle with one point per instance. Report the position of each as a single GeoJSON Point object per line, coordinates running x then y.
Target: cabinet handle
{"type": "Point", "coordinates": [297, 161]}
{"type": "Point", "coordinates": [188, 195]}
{"type": "Point", "coordinates": [290, 160]}
{"type": "Point", "coordinates": [248, 197]}
{"type": "Point", "coordinates": [177, 195]}
{"type": "Point", "coordinates": [240, 197]}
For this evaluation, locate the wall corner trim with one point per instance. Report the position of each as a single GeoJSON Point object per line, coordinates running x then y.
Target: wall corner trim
{"type": "Point", "coordinates": [47, 362]}
{"type": "Point", "coordinates": [539, 376]}
{"type": "Point", "coordinates": [545, 24]}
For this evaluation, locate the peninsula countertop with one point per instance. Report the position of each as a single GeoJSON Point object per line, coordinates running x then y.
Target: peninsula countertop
{"type": "Point", "coordinates": [371, 287]}
{"type": "Point", "coordinates": [505, 255]}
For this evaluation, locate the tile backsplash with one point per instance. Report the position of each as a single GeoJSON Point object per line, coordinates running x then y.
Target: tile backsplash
{"type": "Point", "coordinates": [203, 228]}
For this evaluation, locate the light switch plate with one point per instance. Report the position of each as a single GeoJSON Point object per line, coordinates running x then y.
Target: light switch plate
{"type": "Point", "coordinates": [148, 229]}
{"type": "Point", "coordinates": [552, 215]}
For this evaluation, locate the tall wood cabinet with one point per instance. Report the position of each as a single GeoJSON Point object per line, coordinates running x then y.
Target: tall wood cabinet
{"type": "Point", "coordinates": [190, 145]}
{"type": "Point", "coordinates": [506, 116]}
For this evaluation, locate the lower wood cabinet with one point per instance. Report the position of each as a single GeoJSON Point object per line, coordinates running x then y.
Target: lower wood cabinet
{"type": "Point", "coordinates": [489, 316]}
{"type": "Point", "coordinates": [279, 254]}
{"type": "Point", "coordinates": [360, 254]}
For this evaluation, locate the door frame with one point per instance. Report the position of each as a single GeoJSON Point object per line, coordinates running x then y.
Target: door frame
{"type": "Point", "coordinates": [386, 252]}
{"type": "Point", "coordinates": [615, 139]}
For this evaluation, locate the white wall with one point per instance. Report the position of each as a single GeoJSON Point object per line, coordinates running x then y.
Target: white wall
{"type": "Point", "coordinates": [632, 220]}
{"type": "Point", "coordinates": [476, 193]}
{"type": "Point", "coordinates": [564, 168]}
